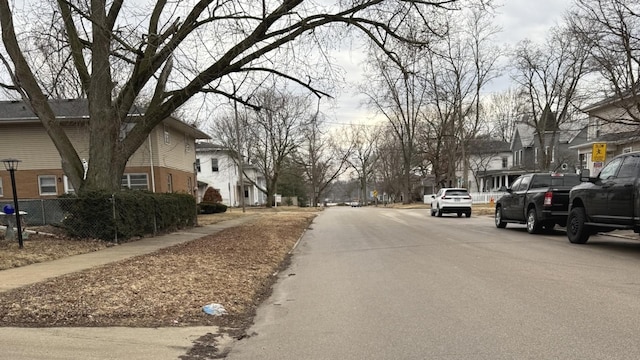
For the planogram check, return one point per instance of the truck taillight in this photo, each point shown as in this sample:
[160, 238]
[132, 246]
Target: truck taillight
[548, 196]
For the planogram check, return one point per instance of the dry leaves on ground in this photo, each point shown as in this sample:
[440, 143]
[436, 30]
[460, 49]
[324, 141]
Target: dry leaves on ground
[169, 287]
[39, 247]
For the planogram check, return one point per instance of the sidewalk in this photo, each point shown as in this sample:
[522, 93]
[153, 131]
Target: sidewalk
[34, 273]
[108, 342]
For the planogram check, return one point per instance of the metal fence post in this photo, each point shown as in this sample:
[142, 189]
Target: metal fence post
[115, 219]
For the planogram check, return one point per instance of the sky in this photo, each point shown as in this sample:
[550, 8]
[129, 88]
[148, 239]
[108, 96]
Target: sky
[519, 20]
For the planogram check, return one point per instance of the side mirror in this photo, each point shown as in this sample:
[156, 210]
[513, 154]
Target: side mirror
[585, 175]
[503, 188]
[433, 196]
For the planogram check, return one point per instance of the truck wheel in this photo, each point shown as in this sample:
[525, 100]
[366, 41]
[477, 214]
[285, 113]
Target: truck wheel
[577, 231]
[459, 214]
[533, 225]
[438, 212]
[498, 218]
[433, 212]
[468, 214]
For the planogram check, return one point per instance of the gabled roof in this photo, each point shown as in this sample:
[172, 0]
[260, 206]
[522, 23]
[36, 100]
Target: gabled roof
[17, 111]
[526, 133]
[566, 134]
[488, 146]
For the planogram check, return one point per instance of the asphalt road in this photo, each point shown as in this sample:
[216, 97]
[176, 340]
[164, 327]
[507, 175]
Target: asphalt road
[376, 283]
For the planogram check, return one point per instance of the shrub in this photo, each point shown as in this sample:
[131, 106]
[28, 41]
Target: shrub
[127, 213]
[212, 208]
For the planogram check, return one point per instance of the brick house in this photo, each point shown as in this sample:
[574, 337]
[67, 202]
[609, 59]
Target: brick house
[164, 163]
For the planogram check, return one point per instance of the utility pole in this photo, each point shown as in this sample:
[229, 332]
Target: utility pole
[239, 148]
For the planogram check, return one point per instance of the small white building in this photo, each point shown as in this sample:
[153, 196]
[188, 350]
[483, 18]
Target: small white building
[217, 169]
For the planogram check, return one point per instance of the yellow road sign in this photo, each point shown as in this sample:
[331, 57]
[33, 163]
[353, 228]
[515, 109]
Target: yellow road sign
[375, 193]
[599, 152]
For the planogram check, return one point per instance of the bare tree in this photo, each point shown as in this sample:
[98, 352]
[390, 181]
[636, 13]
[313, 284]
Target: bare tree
[269, 137]
[208, 41]
[362, 143]
[500, 112]
[458, 67]
[610, 31]
[388, 173]
[398, 92]
[549, 77]
[323, 161]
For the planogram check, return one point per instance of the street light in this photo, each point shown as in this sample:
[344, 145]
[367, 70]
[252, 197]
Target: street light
[12, 165]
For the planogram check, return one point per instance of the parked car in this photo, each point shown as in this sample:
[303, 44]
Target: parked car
[608, 201]
[539, 200]
[451, 200]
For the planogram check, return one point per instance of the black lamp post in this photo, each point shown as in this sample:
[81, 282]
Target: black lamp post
[12, 165]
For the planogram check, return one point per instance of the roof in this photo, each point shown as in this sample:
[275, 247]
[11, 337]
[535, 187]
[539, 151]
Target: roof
[526, 133]
[566, 134]
[203, 146]
[17, 111]
[488, 146]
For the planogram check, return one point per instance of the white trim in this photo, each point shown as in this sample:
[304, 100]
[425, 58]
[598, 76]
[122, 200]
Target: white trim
[126, 181]
[55, 184]
[68, 188]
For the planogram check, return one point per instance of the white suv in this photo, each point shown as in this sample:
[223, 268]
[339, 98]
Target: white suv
[451, 200]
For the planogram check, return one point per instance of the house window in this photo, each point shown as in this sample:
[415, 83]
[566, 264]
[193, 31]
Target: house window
[187, 145]
[167, 136]
[505, 162]
[627, 150]
[47, 185]
[135, 181]
[520, 157]
[214, 165]
[198, 169]
[170, 183]
[189, 185]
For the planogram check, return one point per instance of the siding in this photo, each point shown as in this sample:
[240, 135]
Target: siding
[32, 145]
[178, 154]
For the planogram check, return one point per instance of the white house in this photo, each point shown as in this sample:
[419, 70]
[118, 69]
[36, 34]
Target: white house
[217, 169]
[488, 165]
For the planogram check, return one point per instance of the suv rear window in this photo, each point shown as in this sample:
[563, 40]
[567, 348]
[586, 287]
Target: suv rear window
[457, 193]
[545, 181]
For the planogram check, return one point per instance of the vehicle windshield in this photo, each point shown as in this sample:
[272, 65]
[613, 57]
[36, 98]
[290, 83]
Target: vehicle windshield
[550, 180]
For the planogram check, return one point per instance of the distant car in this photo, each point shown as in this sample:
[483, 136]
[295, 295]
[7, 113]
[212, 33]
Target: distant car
[451, 200]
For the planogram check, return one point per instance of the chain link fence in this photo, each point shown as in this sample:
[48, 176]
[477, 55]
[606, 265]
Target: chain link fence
[49, 215]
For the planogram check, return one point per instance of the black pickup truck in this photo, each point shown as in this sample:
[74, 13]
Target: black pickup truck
[608, 201]
[540, 200]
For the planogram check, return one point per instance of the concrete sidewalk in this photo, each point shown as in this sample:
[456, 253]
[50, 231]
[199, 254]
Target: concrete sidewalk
[34, 273]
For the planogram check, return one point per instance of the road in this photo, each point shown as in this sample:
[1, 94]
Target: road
[377, 283]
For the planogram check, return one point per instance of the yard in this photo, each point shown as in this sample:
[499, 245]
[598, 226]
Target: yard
[234, 268]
